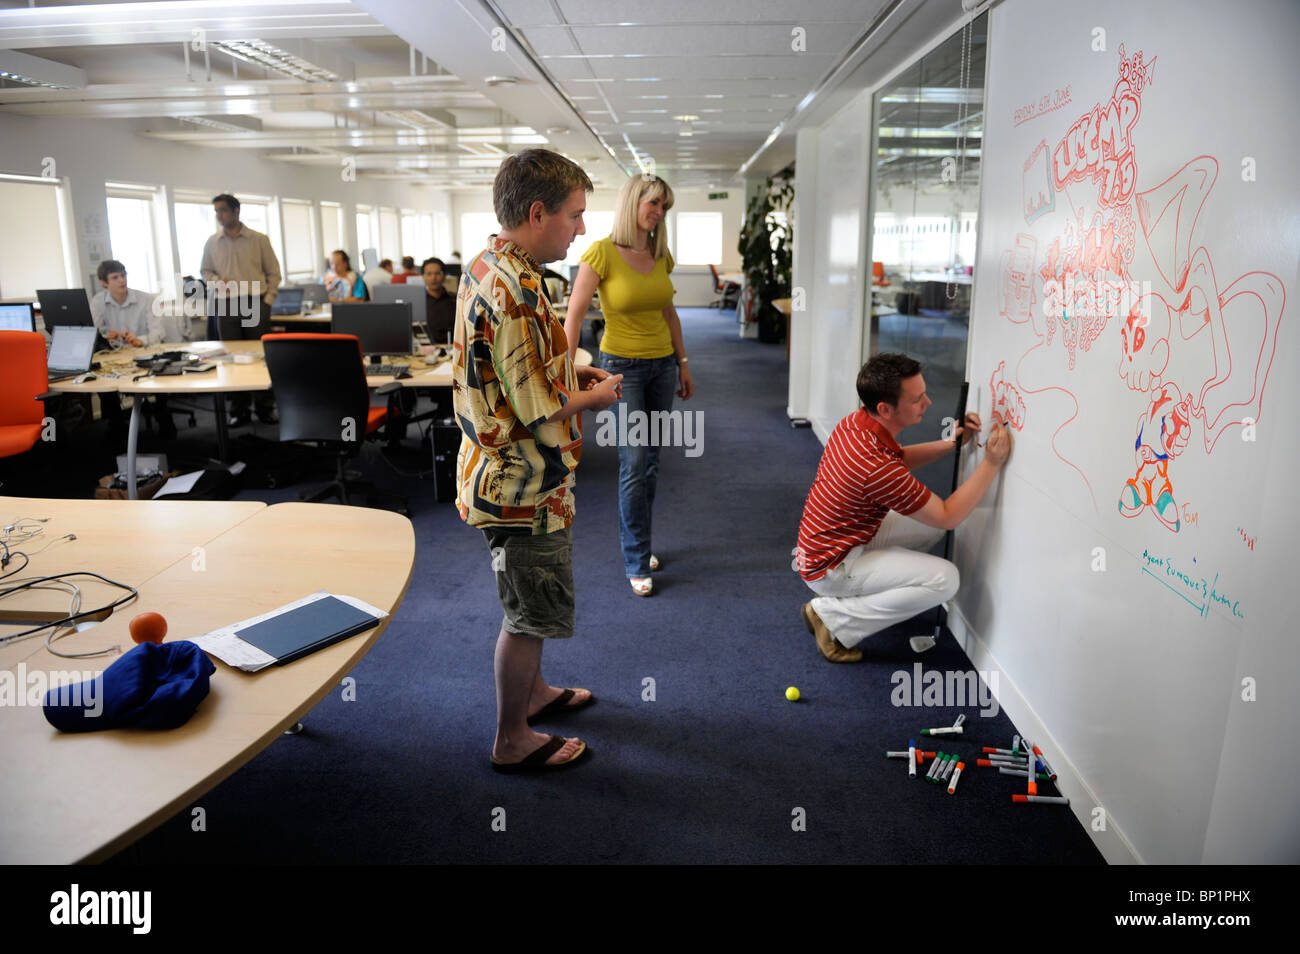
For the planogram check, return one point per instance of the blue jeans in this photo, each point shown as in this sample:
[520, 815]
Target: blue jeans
[648, 386]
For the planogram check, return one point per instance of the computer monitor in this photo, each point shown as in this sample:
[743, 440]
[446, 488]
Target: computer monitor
[382, 328]
[288, 301]
[387, 294]
[17, 317]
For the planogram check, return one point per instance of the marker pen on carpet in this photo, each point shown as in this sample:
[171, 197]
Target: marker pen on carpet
[1015, 745]
[948, 769]
[943, 730]
[911, 758]
[960, 719]
[1021, 772]
[952, 786]
[1040, 799]
[934, 766]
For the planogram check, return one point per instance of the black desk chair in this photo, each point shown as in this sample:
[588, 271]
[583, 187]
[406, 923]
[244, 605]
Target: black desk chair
[320, 385]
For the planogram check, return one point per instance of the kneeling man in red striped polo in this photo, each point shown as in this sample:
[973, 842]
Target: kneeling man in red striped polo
[868, 522]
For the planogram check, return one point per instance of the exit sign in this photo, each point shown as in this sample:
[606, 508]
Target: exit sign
[717, 195]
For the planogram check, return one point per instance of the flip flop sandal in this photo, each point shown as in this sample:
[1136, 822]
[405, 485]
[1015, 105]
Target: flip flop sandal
[535, 761]
[654, 563]
[561, 704]
[643, 586]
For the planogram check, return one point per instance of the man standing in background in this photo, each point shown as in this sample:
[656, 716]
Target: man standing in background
[243, 274]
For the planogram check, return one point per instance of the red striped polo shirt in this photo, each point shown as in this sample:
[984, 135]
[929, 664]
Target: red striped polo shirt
[861, 478]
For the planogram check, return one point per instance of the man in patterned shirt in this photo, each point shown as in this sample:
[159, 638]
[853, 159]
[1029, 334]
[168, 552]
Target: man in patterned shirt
[519, 403]
[866, 516]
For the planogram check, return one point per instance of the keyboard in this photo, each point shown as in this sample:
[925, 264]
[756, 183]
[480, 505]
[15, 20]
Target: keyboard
[377, 370]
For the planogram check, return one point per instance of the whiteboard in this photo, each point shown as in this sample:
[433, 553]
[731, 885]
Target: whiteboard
[1134, 323]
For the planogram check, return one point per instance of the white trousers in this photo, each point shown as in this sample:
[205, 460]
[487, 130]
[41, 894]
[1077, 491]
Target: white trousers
[884, 582]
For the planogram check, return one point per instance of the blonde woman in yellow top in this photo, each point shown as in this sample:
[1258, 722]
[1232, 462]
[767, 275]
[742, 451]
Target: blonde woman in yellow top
[642, 341]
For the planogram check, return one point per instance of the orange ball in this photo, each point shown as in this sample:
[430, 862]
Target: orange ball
[148, 628]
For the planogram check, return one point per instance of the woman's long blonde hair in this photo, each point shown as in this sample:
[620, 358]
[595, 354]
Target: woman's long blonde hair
[635, 191]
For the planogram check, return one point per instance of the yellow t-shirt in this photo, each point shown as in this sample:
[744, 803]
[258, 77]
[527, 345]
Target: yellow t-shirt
[633, 303]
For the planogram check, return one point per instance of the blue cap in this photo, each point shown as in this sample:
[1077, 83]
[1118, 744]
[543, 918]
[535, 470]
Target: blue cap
[154, 686]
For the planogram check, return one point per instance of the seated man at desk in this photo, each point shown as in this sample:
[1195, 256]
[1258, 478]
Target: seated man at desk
[867, 521]
[439, 305]
[381, 274]
[408, 271]
[122, 315]
[125, 317]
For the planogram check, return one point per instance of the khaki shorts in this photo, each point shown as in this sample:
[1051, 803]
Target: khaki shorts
[534, 582]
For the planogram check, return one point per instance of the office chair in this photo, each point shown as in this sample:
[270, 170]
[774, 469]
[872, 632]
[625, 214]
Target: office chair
[878, 277]
[728, 292]
[320, 385]
[23, 380]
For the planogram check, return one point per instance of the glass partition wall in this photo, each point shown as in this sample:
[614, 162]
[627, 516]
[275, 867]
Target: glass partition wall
[929, 122]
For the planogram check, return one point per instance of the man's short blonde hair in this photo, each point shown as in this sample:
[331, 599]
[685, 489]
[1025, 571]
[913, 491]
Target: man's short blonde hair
[534, 175]
[635, 191]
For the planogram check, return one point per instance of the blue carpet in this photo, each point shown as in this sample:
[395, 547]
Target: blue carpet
[717, 768]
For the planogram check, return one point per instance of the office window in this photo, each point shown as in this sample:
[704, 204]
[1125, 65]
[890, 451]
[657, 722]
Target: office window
[598, 226]
[389, 235]
[130, 235]
[475, 227]
[195, 224]
[442, 240]
[417, 236]
[137, 234]
[699, 238]
[331, 227]
[35, 250]
[300, 252]
[367, 234]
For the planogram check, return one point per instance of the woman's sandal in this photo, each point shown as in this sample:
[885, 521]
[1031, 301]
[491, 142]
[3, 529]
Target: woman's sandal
[654, 563]
[641, 586]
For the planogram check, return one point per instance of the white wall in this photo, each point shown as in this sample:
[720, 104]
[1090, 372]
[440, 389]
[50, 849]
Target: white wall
[90, 152]
[694, 283]
[830, 252]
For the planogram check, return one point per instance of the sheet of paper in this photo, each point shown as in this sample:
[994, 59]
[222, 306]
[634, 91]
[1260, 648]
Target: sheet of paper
[179, 485]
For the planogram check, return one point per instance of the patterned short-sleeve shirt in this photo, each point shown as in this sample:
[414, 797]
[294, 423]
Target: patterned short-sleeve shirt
[511, 371]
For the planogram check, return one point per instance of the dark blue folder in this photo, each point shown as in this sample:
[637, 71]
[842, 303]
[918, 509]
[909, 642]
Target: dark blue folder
[308, 628]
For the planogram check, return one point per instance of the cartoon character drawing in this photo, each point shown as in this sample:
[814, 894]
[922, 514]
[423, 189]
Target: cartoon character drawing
[1162, 433]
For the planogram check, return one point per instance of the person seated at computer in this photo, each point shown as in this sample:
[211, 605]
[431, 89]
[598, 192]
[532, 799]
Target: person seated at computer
[122, 315]
[408, 270]
[342, 282]
[439, 304]
[125, 317]
[381, 274]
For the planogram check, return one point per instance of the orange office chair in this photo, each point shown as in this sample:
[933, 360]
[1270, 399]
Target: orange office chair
[878, 274]
[728, 292]
[320, 386]
[23, 380]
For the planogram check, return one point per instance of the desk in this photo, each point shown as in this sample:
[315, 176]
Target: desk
[81, 798]
[225, 378]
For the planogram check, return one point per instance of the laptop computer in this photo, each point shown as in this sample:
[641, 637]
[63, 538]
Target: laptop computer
[67, 306]
[315, 294]
[71, 351]
[287, 302]
[17, 317]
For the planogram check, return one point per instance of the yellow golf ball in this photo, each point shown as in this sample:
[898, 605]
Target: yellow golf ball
[792, 694]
